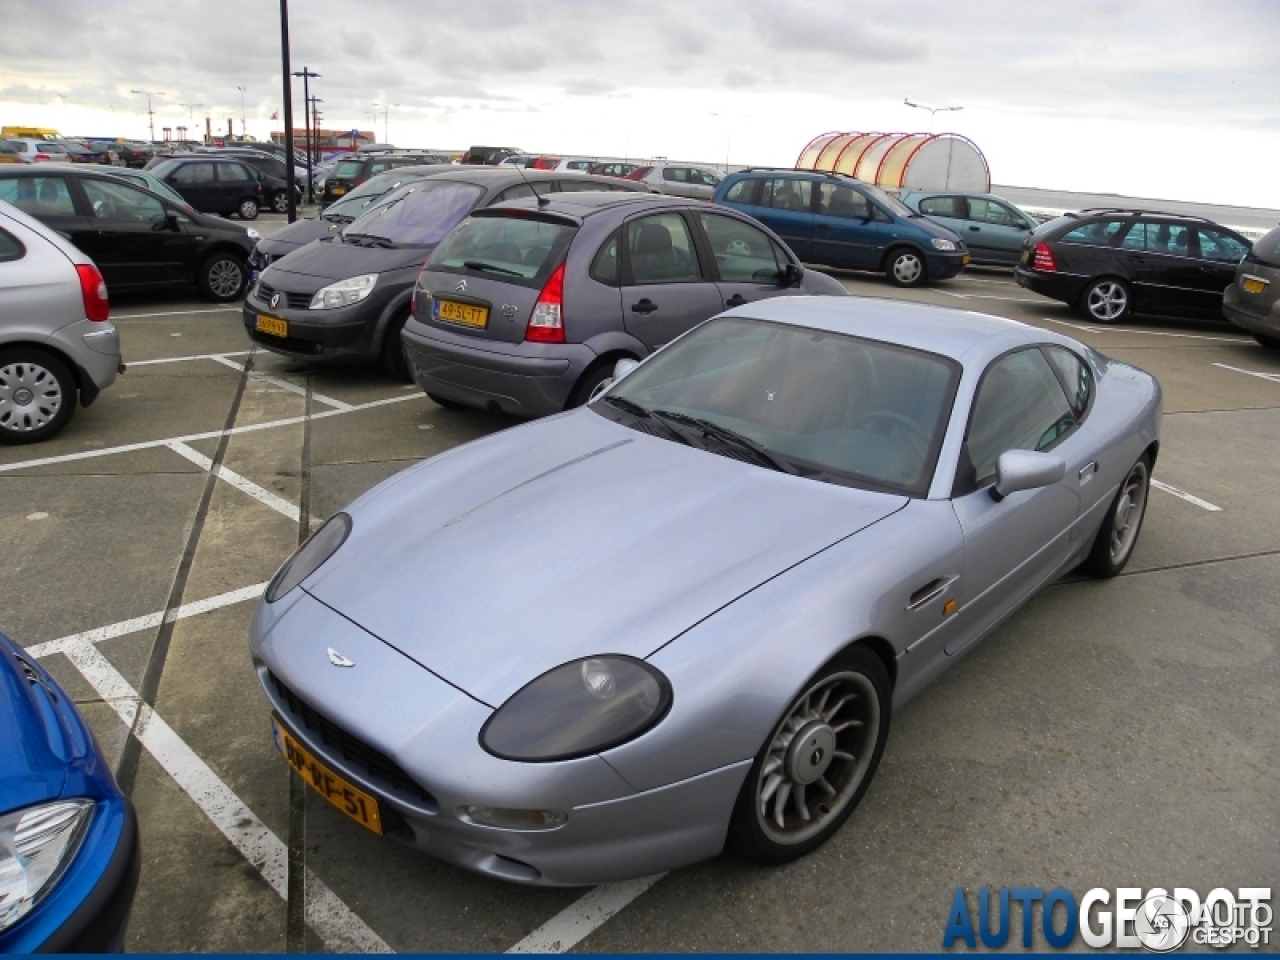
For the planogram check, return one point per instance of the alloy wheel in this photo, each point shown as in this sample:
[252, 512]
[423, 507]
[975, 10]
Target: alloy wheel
[818, 758]
[225, 277]
[1108, 301]
[280, 202]
[1129, 509]
[30, 397]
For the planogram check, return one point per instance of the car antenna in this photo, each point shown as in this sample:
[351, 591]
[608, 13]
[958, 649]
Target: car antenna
[543, 200]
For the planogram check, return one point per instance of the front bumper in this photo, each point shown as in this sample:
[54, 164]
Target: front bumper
[944, 266]
[345, 333]
[1066, 287]
[430, 730]
[1252, 316]
[524, 379]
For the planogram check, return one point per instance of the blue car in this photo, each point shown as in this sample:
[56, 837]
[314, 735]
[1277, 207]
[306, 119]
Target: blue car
[831, 219]
[68, 837]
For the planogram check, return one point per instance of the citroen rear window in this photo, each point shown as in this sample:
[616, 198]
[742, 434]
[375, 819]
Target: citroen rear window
[516, 249]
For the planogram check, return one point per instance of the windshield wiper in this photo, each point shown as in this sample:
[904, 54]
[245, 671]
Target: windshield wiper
[641, 413]
[725, 435]
[367, 237]
[490, 268]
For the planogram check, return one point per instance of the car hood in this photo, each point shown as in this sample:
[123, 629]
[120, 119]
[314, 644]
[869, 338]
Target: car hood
[568, 537]
[296, 235]
[30, 769]
[335, 260]
[935, 229]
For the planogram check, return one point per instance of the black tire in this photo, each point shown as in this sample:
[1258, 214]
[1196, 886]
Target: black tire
[1107, 300]
[222, 277]
[1271, 343]
[594, 376]
[247, 209]
[394, 363]
[906, 267]
[280, 202]
[445, 402]
[37, 395]
[754, 832]
[1113, 546]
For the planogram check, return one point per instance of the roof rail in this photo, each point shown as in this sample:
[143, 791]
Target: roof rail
[825, 173]
[1149, 213]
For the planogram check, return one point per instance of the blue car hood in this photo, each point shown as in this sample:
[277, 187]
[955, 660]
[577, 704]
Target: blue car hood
[33, 765]
[569, 537]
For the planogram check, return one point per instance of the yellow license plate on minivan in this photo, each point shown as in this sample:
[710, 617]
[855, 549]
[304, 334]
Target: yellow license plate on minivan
[347, 797]
[466, 314]
[1254, 285]
[966, 260]
[272, 325]
[337, 191]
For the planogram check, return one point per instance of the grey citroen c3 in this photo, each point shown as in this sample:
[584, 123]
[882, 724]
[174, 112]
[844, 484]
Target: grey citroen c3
[526, 307]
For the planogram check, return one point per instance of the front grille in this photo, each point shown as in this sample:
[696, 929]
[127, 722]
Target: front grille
[295, 301]
[380, 768]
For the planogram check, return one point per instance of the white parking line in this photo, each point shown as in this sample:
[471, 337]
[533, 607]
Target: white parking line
[261, 494]
[1189, 497]
[984, 296]
[198, 356]
[582, 917]
[1260, 374]
[283, 384]
[175, 313]
[208, 435]
[1150, 333]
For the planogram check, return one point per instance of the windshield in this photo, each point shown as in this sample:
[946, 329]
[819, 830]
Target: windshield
[359, 200]
[835, 408]
[889, 201]
[420, 213]
[516, 248]
[347, 169]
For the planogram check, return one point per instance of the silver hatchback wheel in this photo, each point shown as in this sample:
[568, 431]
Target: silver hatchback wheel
[818, 758]
[1107, 301]
[1129, 509]
[30, 397]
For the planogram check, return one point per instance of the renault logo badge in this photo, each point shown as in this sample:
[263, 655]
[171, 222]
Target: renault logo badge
[338, 660]
[275, 300]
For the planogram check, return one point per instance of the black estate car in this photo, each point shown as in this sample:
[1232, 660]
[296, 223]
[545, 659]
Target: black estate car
[215, 184]
[347, 296]
[349, 172]
[1111, 262]
[137, 238]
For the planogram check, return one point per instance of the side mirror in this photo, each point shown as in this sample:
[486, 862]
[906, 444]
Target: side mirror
[1025, 470]
[792, 274]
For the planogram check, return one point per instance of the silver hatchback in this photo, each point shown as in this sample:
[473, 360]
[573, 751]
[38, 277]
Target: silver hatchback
[57, 341]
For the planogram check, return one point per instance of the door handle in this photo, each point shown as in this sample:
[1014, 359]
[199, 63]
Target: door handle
[645, 306]
[976, 229]
[736, 300]
[1087, 471]
[930, 591]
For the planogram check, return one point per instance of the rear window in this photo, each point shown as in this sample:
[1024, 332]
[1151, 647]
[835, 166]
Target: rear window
[1267, 250]
[347, 169]
[519, 249]
[420, 213]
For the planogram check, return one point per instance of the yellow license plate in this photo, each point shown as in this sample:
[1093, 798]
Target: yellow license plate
[337, 191]
[272, 325]
[1254, 286]
[463, 313]
[350, 799]
[965, 261]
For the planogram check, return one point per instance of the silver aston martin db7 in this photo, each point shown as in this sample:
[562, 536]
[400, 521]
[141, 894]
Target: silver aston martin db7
[608, 643]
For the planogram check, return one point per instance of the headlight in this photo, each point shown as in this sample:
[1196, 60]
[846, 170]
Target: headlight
[309, 557]
[344, 292]
[253, 234]
[578, 709]
[940, 244]
[36, 844]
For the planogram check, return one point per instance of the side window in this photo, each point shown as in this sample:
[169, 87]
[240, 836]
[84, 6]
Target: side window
[112, 201]
[838, 201]
[744, 191]
[1020, 406]
[1219, 246]
[743, 253]
[194, 173]
[943, 207]
[786, 194]
[1136, 238]
[661, 250]
[676, 174]
[10, 247]
[234, 173]
[39, 196]
[989, 211]
[1075, 376]
[1098, 233]
[604, 267]
[1171, 238]
[518, 191]
[708, 178]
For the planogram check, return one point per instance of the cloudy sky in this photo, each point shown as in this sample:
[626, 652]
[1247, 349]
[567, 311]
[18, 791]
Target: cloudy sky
[1154, 98]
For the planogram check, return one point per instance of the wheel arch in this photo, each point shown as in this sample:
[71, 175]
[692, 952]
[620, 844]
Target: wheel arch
[897, 245]
[884, 652]
[86, 390]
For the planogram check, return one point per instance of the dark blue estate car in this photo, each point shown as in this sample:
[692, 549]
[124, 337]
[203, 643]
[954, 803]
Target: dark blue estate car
[68, 836]
[831, 219]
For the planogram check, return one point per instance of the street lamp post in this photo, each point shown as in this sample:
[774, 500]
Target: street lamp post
[314, 111]
[243, 130]
[932, 110]
[306, 76]
[288, 110]
[151, 114]
[386, 120]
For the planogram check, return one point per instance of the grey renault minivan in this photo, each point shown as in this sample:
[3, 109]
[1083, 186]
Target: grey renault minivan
[526, 307]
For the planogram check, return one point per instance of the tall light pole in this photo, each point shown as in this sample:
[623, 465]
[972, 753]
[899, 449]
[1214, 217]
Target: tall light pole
[306, 76]
[386, 120]
[151, 114]
[288, 109]
[932, 110]
[243, 130]
[314, 112]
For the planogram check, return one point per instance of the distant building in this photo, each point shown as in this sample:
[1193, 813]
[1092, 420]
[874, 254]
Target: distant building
[328, 139]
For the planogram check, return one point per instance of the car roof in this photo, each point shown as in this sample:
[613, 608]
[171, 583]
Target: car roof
[585, 203]
[948, 331]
